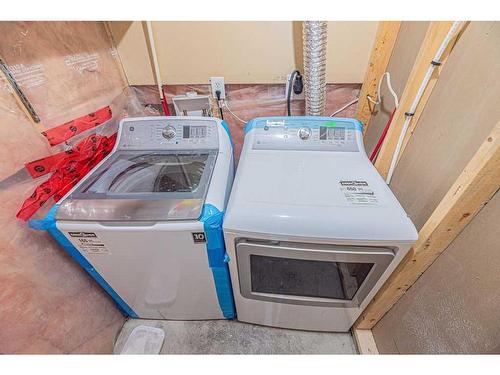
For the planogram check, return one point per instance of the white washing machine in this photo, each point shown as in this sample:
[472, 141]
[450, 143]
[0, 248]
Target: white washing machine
[311, 228]
[146, 223]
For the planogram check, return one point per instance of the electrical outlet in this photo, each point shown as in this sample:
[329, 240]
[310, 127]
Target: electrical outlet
[217, 84]
[293, 96]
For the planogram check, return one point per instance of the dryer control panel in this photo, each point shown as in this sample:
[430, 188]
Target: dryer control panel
[305, 133]
[168, 134]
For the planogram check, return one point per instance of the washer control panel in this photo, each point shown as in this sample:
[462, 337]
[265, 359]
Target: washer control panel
[305, 134]
[165, 133]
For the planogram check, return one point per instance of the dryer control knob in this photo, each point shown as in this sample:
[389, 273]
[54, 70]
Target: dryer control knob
[168, 132]
[304, 133]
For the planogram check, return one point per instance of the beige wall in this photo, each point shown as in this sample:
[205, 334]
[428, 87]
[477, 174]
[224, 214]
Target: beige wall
[242, 52]
[453, 307]
[461, 112]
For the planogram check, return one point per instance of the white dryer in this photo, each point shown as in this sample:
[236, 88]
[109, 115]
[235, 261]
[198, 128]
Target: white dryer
[146, 222]
[311, 228]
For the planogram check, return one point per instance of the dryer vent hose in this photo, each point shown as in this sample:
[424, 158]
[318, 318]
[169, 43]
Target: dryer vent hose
[314, 35]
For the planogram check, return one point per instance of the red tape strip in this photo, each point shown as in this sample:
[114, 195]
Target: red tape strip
[41, 167]
[68, 171]
[62, 133]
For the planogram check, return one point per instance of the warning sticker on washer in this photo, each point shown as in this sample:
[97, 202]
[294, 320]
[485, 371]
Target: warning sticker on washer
[358, 192]
[88, 242]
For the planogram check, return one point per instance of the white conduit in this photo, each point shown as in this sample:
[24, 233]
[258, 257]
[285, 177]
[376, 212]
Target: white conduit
[344, 107]
[156, 66]
[389, 86]
[435, 62]
[314, 36]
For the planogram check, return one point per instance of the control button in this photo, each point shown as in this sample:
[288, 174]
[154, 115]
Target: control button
[304, 133]
[168, 132]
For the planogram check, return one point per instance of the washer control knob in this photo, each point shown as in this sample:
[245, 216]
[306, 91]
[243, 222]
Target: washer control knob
[304, 133]
[168, 132]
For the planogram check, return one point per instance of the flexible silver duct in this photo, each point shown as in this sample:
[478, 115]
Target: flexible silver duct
[314, 36]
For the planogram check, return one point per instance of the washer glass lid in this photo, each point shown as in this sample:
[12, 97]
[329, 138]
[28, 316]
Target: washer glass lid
[143, 186]
[131, 174]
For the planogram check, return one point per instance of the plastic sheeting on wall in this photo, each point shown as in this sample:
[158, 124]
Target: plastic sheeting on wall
[87, 140]
[66, 70]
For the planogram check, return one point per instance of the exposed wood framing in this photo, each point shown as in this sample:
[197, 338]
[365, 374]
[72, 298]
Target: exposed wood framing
[475, 186]
[19, 101]
[365, 341]
[385, 39]
[436, 32]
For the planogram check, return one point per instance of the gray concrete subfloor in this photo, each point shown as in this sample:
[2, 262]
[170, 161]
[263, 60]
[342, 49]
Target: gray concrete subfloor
[233, 337]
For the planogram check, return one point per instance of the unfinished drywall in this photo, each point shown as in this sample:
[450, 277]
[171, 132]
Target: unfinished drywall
[454, 307]
[409, 39]
[47, 303]
[461, 111]
[242, 52]
[130, 38]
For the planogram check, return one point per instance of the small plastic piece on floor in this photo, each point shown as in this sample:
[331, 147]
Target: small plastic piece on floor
[144, 340]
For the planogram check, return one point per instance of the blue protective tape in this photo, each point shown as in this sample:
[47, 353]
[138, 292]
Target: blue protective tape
[212, 218]
[298, 121]
[226, 128]
[49, 224]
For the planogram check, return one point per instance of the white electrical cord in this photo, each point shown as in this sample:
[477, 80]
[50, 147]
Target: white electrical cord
[224, 104]
[435, 62]
[344, 107]
[391, 90]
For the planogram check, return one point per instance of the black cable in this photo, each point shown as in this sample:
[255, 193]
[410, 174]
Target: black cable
[289, 92]
[294, 81]
[217, 93]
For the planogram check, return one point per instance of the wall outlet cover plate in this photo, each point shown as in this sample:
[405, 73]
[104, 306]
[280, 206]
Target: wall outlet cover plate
[217, 83]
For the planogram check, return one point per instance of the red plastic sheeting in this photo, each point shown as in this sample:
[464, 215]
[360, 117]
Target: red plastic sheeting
[62, 133]
[68, 170]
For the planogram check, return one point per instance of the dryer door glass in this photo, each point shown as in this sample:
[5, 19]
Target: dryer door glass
[309, 274]
[310, 278]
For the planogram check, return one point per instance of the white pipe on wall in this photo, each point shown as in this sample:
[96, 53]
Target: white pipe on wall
[156, 66]
[453, 29]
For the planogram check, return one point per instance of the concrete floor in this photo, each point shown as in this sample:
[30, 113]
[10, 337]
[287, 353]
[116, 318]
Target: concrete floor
[232, 337]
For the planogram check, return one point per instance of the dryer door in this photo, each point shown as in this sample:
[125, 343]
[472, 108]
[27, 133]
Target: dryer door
[309, 274]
